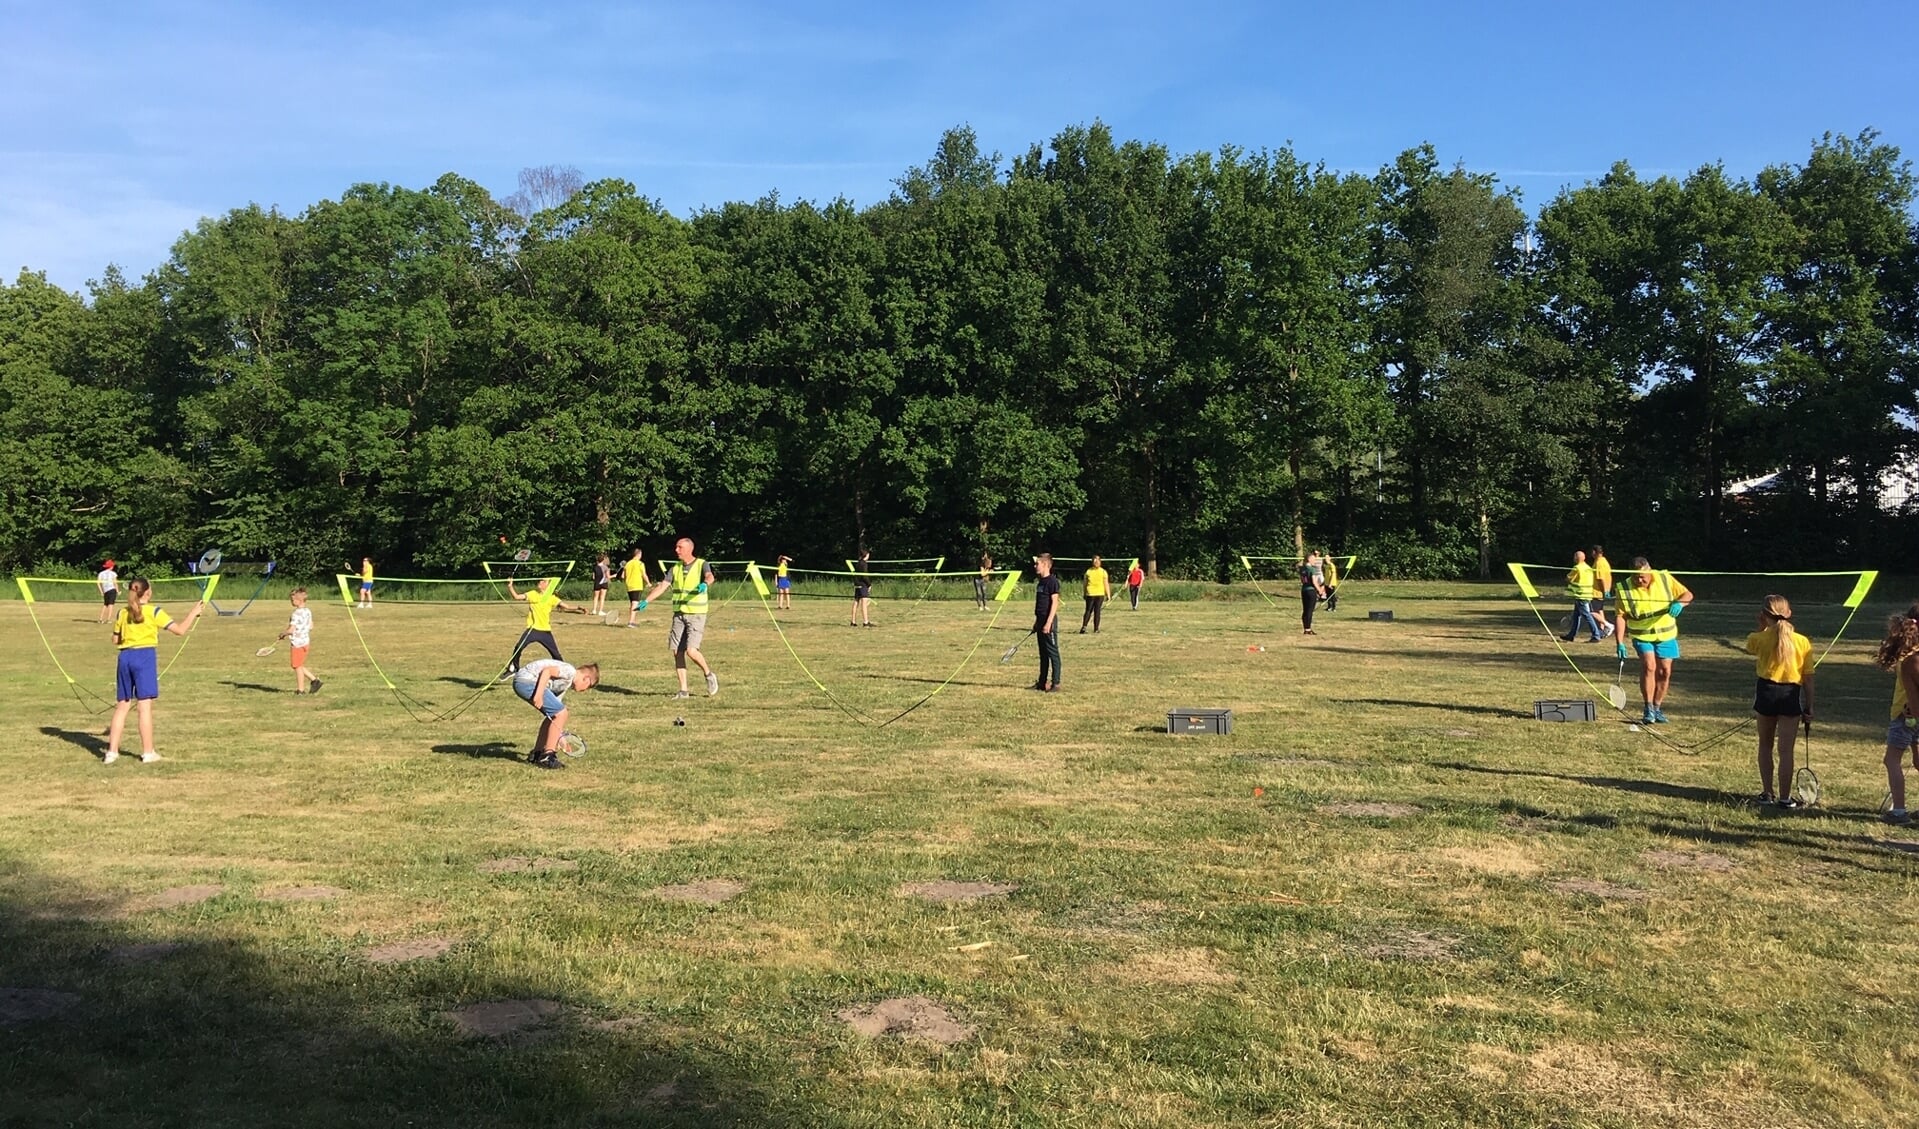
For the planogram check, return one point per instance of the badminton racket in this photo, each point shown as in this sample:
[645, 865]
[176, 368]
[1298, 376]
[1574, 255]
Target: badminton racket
[1007, 656]
[263, 652]
[1805, 782]
[572, 744]
[1616, 693]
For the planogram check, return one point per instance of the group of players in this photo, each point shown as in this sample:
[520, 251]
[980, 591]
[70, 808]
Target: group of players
[1646, 608]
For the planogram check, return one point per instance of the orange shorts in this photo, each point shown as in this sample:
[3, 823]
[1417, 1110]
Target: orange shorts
[296, 657]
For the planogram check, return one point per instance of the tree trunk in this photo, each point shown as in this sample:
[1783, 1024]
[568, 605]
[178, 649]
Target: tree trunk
[1152, 514]
[1485, 540]
[1299, 503]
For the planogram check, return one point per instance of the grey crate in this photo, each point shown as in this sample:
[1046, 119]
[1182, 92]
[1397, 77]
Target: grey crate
[1565, 709]
[1216, 722]
[1380, 616]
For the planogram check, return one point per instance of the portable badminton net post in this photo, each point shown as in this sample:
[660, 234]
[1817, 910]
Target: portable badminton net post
[900, 564]
[244, 568]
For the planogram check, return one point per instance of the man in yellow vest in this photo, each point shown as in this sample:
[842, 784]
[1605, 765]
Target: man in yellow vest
[689, 580]
[1649, 603]
[1602, 583]
[1580, 586]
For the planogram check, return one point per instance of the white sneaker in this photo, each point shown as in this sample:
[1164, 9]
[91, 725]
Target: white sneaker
[712, 684]
[149, 758]
[110, 757]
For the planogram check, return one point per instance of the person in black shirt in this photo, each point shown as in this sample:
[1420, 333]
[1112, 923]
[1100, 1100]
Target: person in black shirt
[1312, 589]
[1046, 622]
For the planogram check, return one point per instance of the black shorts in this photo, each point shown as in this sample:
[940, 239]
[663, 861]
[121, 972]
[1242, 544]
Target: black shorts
[862, 591]
[1777, 699]
[599, 587]
[107, 598]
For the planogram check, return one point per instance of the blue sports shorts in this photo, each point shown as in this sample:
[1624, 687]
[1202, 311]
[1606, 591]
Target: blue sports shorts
[550, 704]
[1902, 734]
[139, 675]
[782, 582]
[1664, 649]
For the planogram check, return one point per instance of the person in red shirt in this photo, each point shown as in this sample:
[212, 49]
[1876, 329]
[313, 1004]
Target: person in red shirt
[1134, 579]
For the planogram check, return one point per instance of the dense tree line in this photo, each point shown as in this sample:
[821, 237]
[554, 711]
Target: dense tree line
[1096, 346]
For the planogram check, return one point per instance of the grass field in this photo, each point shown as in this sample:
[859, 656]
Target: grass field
[1390, 898]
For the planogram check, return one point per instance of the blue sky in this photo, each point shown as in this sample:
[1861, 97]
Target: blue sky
[121, 125]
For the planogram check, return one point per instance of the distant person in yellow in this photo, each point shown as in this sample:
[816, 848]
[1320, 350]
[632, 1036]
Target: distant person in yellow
[1602, 583]
[1581, 586]
[783, 584]
[1649, 603]
[136, 633]
[1331, 567]
[1095, 586]
[633, 575]
[539, 620]
[689, 580]
[366, 581]
[1784, 694]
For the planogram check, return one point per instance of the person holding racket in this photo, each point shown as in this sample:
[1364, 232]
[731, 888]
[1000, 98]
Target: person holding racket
[299, 636]
[783, 584]
[1312, 589]
[109, 582]
[633, 575]
[1046, 623]
[1899, 653]
[1135, 579]
[543, 684]
[136, 634]
[1649, 603]
[689, 580]
[539, 619]
[366, 582]
[1785, 693]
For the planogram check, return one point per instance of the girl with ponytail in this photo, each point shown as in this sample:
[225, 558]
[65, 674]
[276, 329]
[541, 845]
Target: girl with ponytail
[1785, 691]
[1900, 655]
[136, 632]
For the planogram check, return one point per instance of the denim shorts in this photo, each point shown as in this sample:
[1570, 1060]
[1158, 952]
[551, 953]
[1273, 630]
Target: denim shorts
[550, 704]
[1902, 734]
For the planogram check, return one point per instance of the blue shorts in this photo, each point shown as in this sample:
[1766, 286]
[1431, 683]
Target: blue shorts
[782, 582]
[1664, 649]
[1902, 734]
[550, 704]
[366, 586]
[139, 675]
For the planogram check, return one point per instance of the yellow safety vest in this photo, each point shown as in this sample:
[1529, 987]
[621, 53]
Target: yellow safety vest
[1332, 573]
[1579, 582]
[1648, 610]
[687, 597]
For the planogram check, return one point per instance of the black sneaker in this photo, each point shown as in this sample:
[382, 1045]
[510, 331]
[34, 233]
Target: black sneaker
[1787, 803]
[313, 686]
[548, 760]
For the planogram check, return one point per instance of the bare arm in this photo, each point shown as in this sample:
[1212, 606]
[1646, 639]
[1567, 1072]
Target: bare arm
[182, 626]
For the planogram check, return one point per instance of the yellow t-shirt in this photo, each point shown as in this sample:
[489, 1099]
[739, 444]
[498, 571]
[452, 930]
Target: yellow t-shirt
[1898, 694]
[539, 610]
[1760, 643]
[780, 571]
[366, 572]
[146, 633]
[1602, 573]
[1095, 582]
[1332, 572]
[634, 572]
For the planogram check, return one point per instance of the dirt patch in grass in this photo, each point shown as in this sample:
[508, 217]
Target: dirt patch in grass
[1505, 860]
[145, 952]
[1182, 967]
[491, 1019]
[1415, 945]
[520, 864]
[944, 891]
[1369, 810]
[1601, 889]
[907, 1017]
[419, 948]
[173, 898]
[708, 891]
[1690, 860]
[25, 1005]
[1288, 761]
[301, 893]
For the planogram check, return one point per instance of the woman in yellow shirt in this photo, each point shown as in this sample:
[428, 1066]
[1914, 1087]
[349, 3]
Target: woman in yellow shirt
[1785, 691]
[136, 632]
[1096, 587]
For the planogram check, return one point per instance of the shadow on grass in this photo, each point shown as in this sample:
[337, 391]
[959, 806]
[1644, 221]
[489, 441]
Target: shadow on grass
[1659, 788]
[1451, 707]
[502, 750]
[255, 686]
[91, 742]
[99, 1031]
[469, 683]
[619, 691]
